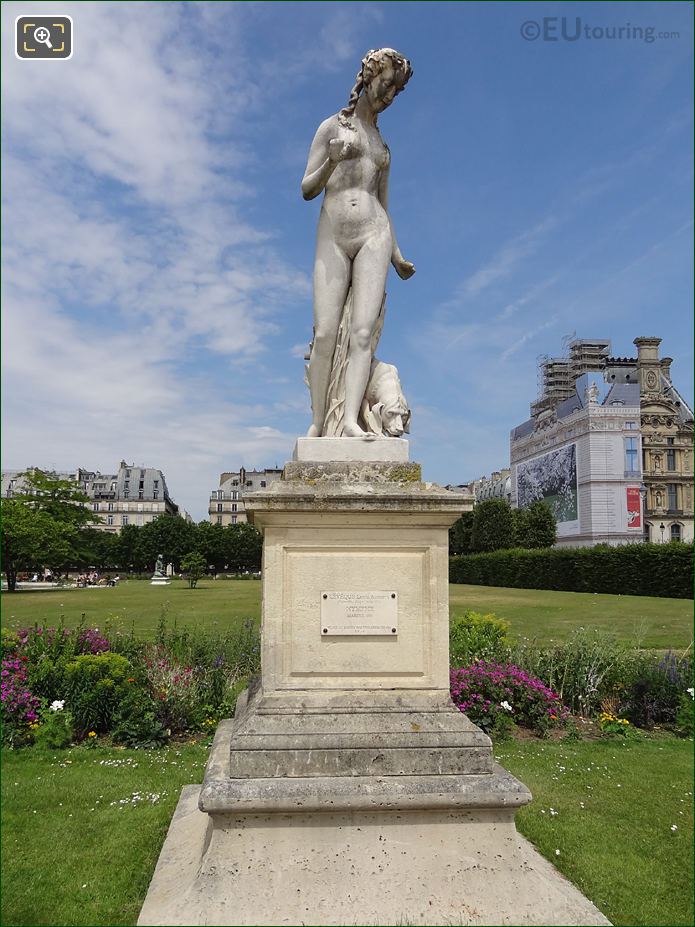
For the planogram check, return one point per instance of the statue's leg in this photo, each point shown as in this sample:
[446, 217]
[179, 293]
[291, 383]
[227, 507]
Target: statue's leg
[369, 271]
[331, 281]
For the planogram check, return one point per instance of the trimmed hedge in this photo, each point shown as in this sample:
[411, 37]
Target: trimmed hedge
[631, 569]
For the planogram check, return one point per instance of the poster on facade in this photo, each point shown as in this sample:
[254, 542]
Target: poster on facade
[634, 508]
[551, 478]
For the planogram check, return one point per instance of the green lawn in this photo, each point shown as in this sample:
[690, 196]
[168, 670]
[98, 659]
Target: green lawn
[616, 801]
[545, 615]
[77, 849]
[536, 614]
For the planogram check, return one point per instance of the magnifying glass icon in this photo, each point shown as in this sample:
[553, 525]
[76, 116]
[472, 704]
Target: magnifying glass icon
[43, 36]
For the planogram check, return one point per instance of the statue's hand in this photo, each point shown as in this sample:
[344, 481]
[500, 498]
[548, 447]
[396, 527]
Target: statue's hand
[404, 269]
[339, 150]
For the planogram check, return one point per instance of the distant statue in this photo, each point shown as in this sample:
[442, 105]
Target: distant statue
[591, 394]
[355, 244]
[159, 565]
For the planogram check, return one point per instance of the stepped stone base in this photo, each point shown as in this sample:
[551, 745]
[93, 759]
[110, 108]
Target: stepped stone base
[356, 867]
[349, 789]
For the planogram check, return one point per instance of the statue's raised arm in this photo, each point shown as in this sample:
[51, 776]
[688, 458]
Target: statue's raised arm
[353, 394]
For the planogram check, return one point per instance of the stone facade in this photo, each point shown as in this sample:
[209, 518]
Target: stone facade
[226, 506]
[666, 423]
[131, 496]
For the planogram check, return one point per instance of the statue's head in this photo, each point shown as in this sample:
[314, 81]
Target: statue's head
[383, 74]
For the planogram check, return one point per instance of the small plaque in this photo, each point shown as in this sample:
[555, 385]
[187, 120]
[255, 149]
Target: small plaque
[351, 613]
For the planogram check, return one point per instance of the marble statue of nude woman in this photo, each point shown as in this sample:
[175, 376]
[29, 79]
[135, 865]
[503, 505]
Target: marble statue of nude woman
[356, 241]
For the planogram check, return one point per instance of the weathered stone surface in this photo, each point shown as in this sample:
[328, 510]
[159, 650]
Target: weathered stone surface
[352, 471]
[437, 866]
[351, 449]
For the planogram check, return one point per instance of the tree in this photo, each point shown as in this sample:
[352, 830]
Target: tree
[243, 548]
[32, 540]
[129, 555]
[99, 549]
[541, 530]
[460, 534]
[61, 499]
[169, 535]
[211, 543]
[493, 526]
[195, 565]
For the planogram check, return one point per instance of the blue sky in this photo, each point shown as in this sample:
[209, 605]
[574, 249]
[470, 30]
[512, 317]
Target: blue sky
[158, 253]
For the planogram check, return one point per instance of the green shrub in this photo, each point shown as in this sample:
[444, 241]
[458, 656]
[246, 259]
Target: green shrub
[96, 684]
[10, 641]
[684, 715]
[656, 689]
[473, 636]
[55, 731]
[583, 670]
[630, 569]
[136, 723]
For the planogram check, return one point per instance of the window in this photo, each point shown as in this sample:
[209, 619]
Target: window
[235, 494]
[156, 483]
[126, 493]
[95, 506]
[219, 506]
[125, 506]
[234, 506]
[675, 532]
[235, 482]
[670, 459]
[631, 455]
[219, 519]
[672, 496]
[631, 425]
[249, 482]
[155, 493]
[670, 441]
[127, 484]
[127, 474]
[113, 487]
[124, 519]
[109, 519]
[234, 519]
[141, 484]
[142, 474]
[110, 506]
[141, 494]
[262, 484]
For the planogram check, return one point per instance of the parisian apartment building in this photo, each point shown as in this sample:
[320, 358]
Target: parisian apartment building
[134, 495]
[608, 447]
[226, 505]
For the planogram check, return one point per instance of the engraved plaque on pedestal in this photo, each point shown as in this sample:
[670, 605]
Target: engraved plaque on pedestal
[350, 613]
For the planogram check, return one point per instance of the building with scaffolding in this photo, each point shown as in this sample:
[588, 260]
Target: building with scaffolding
[608, 446]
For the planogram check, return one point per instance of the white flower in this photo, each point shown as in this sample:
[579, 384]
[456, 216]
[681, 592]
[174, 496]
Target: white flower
[58, 705]
[557, 852]
[506, 706]
[691, 692]
[674, 827]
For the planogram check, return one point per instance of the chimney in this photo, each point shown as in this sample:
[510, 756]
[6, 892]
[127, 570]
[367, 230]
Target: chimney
[647, 349]
[666, 367]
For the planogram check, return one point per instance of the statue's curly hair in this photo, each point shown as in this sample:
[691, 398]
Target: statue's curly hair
[372, 63]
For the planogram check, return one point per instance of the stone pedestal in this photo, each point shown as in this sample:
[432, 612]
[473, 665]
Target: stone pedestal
[160, 580]
[349, 789]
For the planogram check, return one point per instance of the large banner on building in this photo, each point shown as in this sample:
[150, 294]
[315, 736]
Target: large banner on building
[634, 507]
[552, 479]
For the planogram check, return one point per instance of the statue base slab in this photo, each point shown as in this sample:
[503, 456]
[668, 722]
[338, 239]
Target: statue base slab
[340, 449]
[324, 850]
[160, 581]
